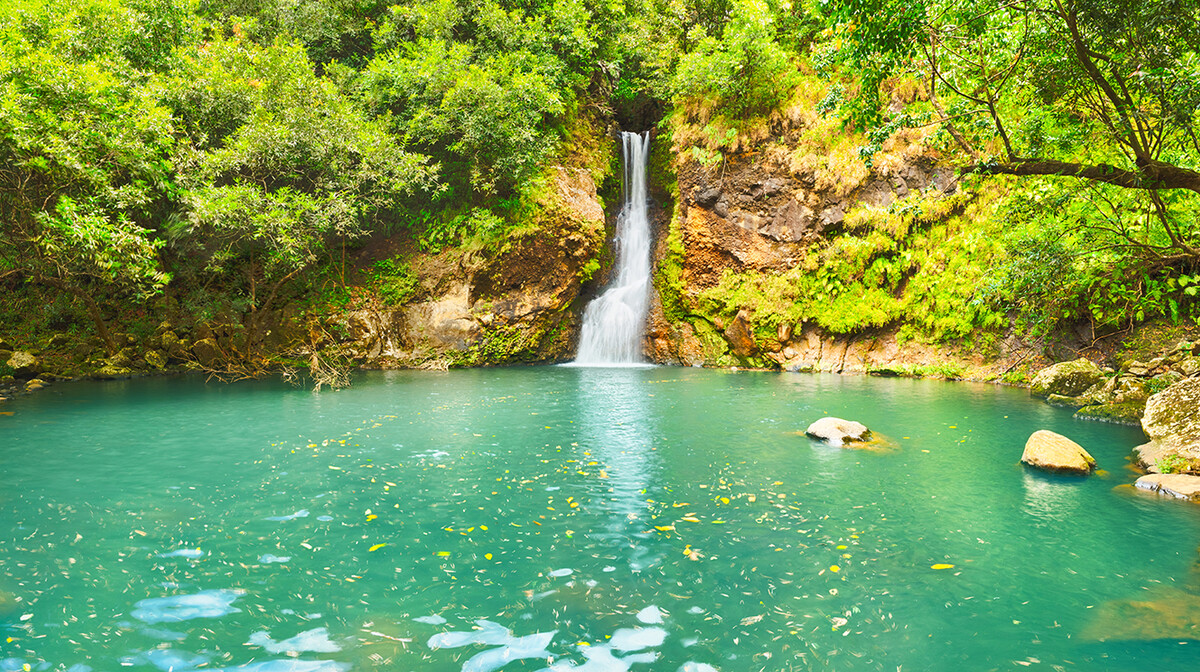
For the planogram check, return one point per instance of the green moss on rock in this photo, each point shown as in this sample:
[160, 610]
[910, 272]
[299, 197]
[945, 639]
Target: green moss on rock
[1128, 413]
[1067, 379]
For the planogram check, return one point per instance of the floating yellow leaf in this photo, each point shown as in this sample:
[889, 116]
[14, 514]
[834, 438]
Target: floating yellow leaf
[376, 547]
[834, 568]
[574, 505]
[487, 556]
[724, 500]
[371, 517]
[483, 527]
[941, 566]
[443, 554]
[676, 505]
[664, 528]
[690, 519]
[841, 547]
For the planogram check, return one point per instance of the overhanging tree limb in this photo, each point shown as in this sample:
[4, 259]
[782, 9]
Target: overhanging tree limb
[1155, 175]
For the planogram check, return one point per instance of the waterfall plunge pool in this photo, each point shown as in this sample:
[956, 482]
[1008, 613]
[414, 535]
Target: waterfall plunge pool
[574, 519]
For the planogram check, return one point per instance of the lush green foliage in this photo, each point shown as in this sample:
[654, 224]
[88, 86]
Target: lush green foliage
[916, 264]
[302, 167]
[237, 145]
[1105, 91]
[395, 281]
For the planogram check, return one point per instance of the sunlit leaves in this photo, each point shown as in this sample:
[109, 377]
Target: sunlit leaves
[300, 164]
[746, 68]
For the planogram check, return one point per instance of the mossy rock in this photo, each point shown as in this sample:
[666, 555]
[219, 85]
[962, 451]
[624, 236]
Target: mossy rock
[112, 372]
[1172, 413]
[1064, 401]
[1067, 379]
[24, 364]
[155, 358]
[1128, 413]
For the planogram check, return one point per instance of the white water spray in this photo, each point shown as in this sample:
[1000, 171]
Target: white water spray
[614, 322]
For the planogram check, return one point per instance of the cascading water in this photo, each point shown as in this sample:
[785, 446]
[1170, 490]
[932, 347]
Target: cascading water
[614, 322]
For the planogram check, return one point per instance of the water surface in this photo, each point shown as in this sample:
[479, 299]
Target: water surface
[570, 519]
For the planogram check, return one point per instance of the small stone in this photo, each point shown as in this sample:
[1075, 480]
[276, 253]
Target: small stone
[155, 358]
[1180, 486]
[1055, 452]
[837, 431]
[1188, 367]
[110, 372]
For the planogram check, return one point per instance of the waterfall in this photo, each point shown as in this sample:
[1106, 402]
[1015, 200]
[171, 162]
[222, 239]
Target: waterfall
[614, 322]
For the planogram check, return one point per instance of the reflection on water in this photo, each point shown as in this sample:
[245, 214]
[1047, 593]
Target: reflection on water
[615, 420]
[1051, 498]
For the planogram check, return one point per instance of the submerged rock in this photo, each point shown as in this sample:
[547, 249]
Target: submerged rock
[1055, 452]
[1167, 613]
[1179, 486]
[1068, 379]
[837, 431]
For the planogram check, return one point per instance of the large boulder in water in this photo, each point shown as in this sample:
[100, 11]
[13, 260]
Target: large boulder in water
[837, 431]
[1068, 379]
[1055, 452]
[1172, 421]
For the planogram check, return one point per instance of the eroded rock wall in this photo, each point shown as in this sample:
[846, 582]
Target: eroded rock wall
[510, 306]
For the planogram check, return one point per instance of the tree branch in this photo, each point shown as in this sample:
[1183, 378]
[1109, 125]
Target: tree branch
[1155, 175]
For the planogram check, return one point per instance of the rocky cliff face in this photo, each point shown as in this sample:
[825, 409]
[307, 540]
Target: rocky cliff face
[766, 212]
[511, 306]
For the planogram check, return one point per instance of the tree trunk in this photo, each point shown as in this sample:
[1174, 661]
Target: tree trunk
[93, 309]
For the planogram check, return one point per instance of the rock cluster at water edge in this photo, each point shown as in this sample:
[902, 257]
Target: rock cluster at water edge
[1172, 423]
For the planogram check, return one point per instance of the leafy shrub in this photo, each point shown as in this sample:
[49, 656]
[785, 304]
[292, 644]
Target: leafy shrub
[395, 281]
[1175, 463]
[745, 68]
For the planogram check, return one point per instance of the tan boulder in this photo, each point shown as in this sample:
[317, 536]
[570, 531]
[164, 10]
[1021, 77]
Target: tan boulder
[1180, 486]
[1055, 452]
[1068, 379]
[837, 431]
[1172, 422]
